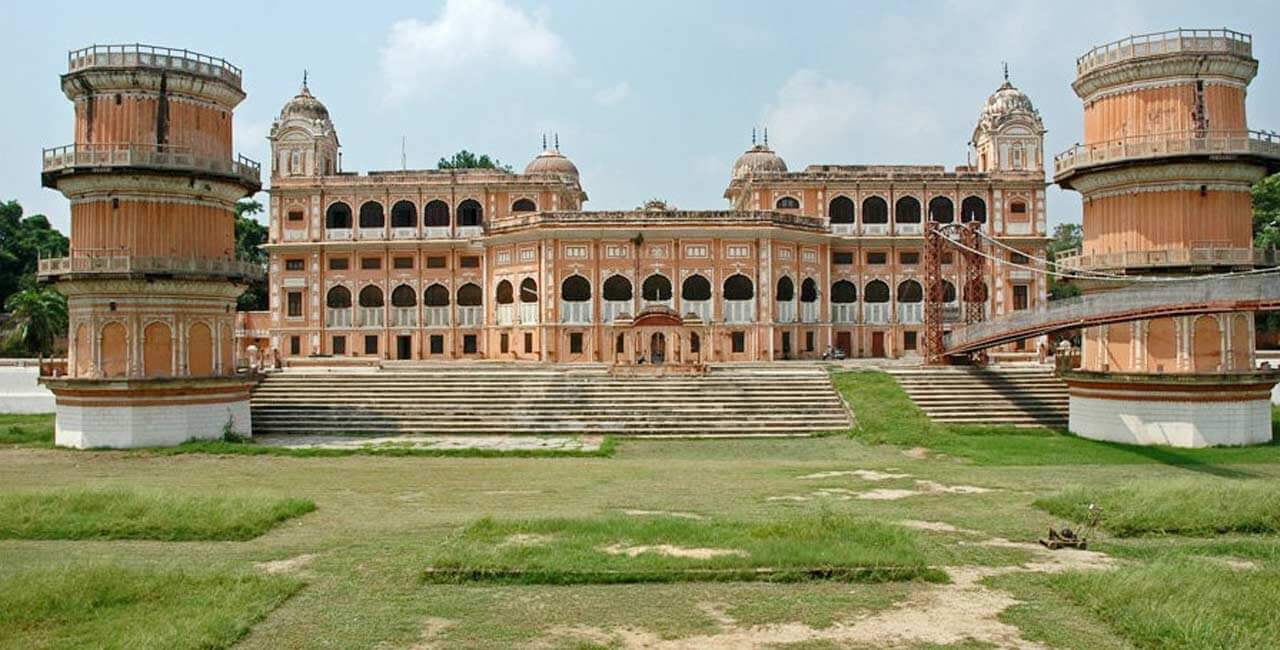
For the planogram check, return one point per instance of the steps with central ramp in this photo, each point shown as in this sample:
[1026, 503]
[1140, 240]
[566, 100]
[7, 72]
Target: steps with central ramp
[1019, 395]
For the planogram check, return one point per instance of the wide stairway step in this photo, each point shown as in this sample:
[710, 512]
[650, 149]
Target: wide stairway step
[1014, 395]
[509, 399]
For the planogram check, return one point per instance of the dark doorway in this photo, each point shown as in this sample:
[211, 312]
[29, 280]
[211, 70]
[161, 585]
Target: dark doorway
[657, 348]
[843, 343]
[877, 344]
[786, 345]
[404, 347]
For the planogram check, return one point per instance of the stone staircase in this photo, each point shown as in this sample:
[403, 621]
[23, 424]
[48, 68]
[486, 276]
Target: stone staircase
[1020, 395]
[513, 399]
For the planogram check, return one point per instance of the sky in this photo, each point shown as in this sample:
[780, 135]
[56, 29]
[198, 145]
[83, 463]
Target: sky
[650, 99]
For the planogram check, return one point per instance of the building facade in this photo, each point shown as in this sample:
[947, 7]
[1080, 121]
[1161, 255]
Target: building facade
[458, 264]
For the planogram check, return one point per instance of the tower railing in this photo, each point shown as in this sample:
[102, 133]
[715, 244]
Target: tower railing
[1173, 143]
[1195, 255]
[1169, 42]
[152, 56]
[153, 156]
[115, 261]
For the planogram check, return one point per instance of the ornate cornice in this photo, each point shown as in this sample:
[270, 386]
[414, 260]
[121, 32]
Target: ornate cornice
[1208, 172]
[1167, 66]
[83, 186]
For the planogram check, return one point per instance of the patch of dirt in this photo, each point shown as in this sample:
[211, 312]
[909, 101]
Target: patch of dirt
[510, 492]
[864, 474]
[672, 551]
[663, 513]
[888, 494]
[787, 497]
[287, 565]
[1237, 563]
[431, 628]
[935, 526]
[527, 539]
[922, 487]
[918, 453]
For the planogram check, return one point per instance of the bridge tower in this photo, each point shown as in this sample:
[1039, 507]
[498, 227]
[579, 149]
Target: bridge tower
[1165, 173]
[152, 279]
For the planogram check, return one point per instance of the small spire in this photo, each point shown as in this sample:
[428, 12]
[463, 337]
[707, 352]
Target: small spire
[766, 137]
[544, 141]
[1005, 65]
[557, 143]
[753, 136]
[304, 80]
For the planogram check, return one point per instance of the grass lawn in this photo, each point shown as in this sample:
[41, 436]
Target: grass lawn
[31, 430]
[131, 514]
[1177, 506]
[622, 549]
[97, 606]
[885, 415]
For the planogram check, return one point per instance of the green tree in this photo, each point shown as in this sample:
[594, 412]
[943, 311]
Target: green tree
[466, 160]
[37, 317]
[1066, 237]
[1266, 212]
[23, 241]
[250, 236]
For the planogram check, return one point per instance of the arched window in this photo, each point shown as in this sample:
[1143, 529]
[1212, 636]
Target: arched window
[338, 298]
[973, 209]
[948, 293]
[786, 289]
[470, 213]
[876, 291]
[469, 295]
[404, 214]
[906, 210]
[941, 210]
[436, 214]
[371, 215]
[910, 291]
[695, 287]
[505, 294]
[975, 292]
[524, 205]
[528, 290]
[338, 216]
[788, 203]
[575, 288]
[875, 210]
[371, 296]
[404, 296]
[617, 287]
[844, 292]
[436, 296]
[656, 288]
[840, 210]
[739, 287]
[808, 290]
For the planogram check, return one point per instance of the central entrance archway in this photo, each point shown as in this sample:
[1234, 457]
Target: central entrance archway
[657, 348]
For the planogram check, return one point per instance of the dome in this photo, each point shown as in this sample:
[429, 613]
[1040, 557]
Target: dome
[1004, 103]
[551, 161]
[758, 159]
[305, 105]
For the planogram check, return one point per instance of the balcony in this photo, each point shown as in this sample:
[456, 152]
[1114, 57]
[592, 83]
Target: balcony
[295, 234]
[1206, 41]
[435, 232]
[470, 316]
[739, 311]
[911, 313]
[506, 315]
[68, 158]
[875, 229]
[337, 234]
[842, 228]
[700, 307]
[337, 317]
[876, 313]
[575, 313]
[908, 229]
[669, 303]
[845, 313]
[94, 262]
[786, 312]
[404, 316]
[372, 233]
[369, 316]
[1171, 144]
[611, 309]
[404, 233]
[436, 316]
[151, 56]
[470, 232]
[1197, 255]
[528, 313]
[809, 312]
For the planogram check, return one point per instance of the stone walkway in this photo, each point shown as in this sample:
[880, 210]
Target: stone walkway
[416, 441]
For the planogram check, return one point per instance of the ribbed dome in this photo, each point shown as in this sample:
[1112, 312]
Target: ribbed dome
[305, 105]
[551, 161]
[1004, 102]
[758, 159]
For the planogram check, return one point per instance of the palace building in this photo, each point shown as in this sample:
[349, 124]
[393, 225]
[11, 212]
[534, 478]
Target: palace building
[490, 264]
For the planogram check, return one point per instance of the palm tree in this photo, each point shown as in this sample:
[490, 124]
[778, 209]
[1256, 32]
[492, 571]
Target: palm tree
[37, 317]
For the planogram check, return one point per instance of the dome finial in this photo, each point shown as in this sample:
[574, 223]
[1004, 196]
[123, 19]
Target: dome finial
[557, 142]
[1005, 64]
[766, 137]
[544, 141]
[753, 136]
[304, 81]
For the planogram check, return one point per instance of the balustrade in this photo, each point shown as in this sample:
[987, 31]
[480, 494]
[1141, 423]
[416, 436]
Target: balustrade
[575, 313]
[739, 311]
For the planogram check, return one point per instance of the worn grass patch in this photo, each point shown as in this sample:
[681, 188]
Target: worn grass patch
[247, 447]
[885, 415]
[618, 549]
[1175, 506]
[132, 514]
[26, 430]
[90, 606]
[1181, 603]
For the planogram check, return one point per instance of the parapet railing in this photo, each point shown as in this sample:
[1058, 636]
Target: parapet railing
[155, 156]
[117, 262]
[1193, 256]
[1174, 143]
[1174, 40]
[152, 56]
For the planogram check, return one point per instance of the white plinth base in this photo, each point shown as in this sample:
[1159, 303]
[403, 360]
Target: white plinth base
[121, 427]
[1173, 423]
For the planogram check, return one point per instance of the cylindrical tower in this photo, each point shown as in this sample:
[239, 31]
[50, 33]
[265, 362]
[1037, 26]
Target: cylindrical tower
[152, 278]
[1165, 172]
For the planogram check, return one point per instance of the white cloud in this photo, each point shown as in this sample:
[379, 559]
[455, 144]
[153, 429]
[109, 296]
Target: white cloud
[613, 94]
[467, 36]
